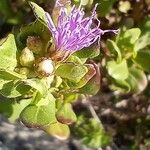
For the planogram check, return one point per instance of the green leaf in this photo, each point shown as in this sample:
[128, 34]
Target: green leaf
[12, 108]
[39, 12]
[70, 97]
[91, 72]
[14, 89]
[143, 41]
[89, 52]
[57, 81]
[2, 83]
[66, 114]
[120, 85]
[143, 59]
[10, 75]
[118, 71]
[114, 49]
[137, 80]
[10, 88]
[39, 115]
[132, 35]
[6, 107]
[74, 59]
[93, 85]
[104, 7]
[34, 29]
[126, 41]
[17, 109]
[44, 100]
[38, 85]
[8, 52]
[58, 130]
[73, 72]
[145, 25]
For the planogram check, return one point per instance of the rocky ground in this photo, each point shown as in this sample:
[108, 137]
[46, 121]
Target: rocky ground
[18, 137]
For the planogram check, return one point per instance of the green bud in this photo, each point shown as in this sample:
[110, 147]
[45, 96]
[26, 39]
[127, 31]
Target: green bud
[86, 2]
[44, 67]
[24, 71]
[34, 43]
[124, 6]
[26, 58]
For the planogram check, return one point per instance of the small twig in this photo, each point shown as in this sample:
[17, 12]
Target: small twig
[92, 111]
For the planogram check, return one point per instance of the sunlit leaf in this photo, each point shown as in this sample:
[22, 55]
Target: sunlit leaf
[10, 75]
[8, 52]
[14, 89]
[118, 71]
[143, 41]
[66, 115]
[39, 115]
[58, 130]
[91, 72]
[126, 41]
[132, 34]
[89, 52]
[136, 82]
[114, 49]
[73, 72]
[17, 108]
[38, 85]
[39, 12]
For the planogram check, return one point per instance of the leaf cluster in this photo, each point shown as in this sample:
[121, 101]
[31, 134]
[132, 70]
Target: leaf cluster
[40, 101]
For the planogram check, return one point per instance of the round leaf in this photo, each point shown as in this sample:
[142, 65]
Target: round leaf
[73, 72]
[58, 130]
[118, 71]
[143, 59]
[8, 51]
[66, 114]
[41, 114]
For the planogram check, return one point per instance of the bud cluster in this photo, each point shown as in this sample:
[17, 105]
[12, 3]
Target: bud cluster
[44, 67]
[34, 43]
[29, 58]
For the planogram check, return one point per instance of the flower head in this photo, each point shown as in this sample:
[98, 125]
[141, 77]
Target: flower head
[74, 31]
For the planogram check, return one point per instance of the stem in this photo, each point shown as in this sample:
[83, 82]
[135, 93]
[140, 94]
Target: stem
[92, 111]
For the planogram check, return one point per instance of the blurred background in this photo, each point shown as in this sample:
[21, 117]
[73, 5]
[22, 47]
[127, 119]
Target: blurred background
[125, 115]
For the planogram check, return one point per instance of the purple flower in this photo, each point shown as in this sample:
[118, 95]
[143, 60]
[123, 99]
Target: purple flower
[74, 31]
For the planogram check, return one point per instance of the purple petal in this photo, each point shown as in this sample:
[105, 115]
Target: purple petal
[73, 31]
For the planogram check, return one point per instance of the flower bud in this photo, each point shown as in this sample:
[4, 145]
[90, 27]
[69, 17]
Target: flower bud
[34, 43]
[24, 71]
[124, 6]
[26, 58]
[44, 67]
